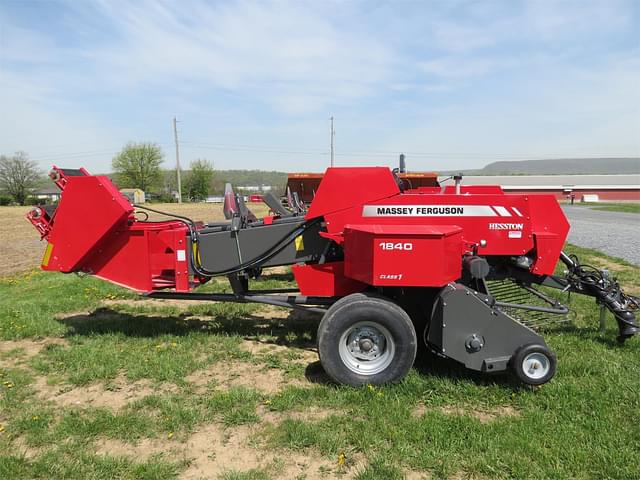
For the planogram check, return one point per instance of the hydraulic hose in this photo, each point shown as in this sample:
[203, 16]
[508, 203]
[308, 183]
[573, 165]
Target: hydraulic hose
[256, 261]
[594, 282]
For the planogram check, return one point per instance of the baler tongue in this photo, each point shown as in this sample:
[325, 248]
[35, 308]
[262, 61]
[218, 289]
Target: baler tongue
[607, 291]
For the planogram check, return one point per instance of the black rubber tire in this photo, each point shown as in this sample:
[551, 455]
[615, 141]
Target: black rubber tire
[369, 307]
[519, 357]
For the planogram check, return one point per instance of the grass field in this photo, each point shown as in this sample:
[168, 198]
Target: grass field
[616, 207]
[98, 383]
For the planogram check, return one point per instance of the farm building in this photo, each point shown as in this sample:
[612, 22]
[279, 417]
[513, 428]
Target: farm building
[606, 187]
[135, 195]
[48, 194]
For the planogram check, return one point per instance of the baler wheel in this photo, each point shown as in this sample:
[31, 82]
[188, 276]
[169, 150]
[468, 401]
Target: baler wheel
[534, 364]
[366, 339]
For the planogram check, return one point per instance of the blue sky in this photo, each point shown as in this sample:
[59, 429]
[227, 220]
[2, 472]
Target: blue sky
[453, 84]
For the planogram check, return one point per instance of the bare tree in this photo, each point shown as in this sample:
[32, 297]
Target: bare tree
[18, 175]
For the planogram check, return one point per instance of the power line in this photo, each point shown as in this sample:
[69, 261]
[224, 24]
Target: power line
[316, 151]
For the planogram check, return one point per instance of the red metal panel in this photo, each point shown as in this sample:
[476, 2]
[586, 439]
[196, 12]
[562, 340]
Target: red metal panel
[403, 255]
[306, 184]
[505, 222]
[143, 257]
[90, 208]
[343, 188]
[325, 280]
[550, 228]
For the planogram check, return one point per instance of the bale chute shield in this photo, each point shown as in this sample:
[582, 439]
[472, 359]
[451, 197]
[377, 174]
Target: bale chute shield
[90, 210]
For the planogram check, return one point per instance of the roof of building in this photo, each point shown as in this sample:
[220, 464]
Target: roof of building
[553, 181]
[53, 190]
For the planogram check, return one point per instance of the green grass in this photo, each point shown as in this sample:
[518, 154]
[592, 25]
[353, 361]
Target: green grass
[583, 424]
[616, 207]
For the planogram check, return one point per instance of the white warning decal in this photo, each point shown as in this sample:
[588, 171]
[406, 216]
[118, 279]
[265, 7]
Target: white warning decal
[428, 211]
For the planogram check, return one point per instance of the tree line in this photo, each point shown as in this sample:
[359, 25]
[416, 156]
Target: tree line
[137, 165]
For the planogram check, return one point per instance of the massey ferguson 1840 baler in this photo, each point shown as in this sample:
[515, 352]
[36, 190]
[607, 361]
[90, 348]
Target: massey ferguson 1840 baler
[385, 263]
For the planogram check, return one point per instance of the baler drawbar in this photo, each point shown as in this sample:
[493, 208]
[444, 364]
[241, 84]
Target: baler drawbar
[384, 262]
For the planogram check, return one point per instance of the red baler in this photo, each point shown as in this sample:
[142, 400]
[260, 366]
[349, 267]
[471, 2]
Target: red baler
[382, 260]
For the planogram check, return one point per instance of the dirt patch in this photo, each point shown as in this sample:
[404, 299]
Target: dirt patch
[115, 395]
[22, 255]
[309, 415]
[483, 415]
[20, 446]
[213, 450]
[277, 270]
[259, 349]
[608, 264]
[149, 302]
[25, 349]
[413, 475]
[144, 448]
[216, 451]
[241, 374]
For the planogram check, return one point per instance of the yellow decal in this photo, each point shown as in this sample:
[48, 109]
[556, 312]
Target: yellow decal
[196, 254]
[47, 255]
[299, 244]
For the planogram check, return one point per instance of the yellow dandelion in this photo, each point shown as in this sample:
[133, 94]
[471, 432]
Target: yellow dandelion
[170, 435]
[342, 459]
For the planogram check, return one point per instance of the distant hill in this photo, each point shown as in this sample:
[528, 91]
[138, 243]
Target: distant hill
[563, 166]
[237, 178]
[252, 177]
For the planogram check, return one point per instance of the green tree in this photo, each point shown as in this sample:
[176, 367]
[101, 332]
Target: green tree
[199, 179]
[138, 165]
[18, 175]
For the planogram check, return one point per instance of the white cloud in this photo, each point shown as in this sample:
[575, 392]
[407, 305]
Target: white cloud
[458, 67]
[291, 55]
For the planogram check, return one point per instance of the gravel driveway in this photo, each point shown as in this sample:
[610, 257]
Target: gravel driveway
[614, 233]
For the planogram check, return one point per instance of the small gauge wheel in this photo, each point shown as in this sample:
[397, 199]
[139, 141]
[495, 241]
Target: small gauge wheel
[534, 364]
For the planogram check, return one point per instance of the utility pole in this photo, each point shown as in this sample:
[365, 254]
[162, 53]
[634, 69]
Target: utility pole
[333, 135]
[175, 137]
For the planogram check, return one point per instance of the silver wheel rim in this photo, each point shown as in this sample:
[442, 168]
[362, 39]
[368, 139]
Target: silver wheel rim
[367, 348]
[536, 365]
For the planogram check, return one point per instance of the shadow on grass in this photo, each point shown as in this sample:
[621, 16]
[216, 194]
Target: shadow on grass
[298, 329]
[428, 364]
